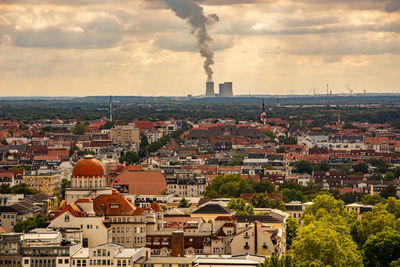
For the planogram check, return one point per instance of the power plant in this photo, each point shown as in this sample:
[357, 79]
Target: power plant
[225, 90]
[210, 89]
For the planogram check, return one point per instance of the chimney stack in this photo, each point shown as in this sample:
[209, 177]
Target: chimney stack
[178, 248]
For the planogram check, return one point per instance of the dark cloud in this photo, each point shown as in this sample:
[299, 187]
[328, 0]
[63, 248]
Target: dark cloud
[393, 6]
[56, 38]
[235, 2]
[386, 5]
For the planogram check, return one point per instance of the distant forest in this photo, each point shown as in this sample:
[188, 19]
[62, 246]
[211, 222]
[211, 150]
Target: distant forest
[238, 108]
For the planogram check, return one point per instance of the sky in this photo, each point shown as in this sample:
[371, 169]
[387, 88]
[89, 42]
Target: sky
[141, 47]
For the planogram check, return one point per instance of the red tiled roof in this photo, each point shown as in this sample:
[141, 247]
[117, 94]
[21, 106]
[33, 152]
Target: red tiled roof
[83, 200]
[156, 207]
[114, 204]
[138, 211]
[226, 218]
[73, 209]
[142, 182]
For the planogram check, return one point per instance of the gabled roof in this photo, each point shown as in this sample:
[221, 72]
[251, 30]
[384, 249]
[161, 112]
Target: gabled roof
[114, 204]
[138, 211]
[156, 207]
[73, 209]
[226, 218]
[213, 208]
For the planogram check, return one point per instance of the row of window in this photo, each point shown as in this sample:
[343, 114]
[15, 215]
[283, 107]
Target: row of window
[82, 263]
[128, 229]
[127, 219]
[122, 240]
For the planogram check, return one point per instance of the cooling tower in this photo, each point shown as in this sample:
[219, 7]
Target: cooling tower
[228, 89]
[210, 89]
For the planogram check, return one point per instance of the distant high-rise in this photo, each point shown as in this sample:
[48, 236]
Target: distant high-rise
[210, 89]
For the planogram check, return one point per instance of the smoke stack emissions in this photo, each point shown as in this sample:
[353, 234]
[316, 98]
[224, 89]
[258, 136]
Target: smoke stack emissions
[194, 15]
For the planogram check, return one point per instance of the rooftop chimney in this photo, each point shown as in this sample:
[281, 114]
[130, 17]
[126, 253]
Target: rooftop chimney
[178, 249]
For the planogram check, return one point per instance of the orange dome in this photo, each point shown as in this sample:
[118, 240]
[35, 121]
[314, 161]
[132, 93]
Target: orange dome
[88, 166]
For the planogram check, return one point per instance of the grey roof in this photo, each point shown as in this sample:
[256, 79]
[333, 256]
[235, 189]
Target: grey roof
[213, 208]
[260, 218]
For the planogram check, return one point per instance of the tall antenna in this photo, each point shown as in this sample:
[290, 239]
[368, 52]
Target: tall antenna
[111, 118]
[327, 89]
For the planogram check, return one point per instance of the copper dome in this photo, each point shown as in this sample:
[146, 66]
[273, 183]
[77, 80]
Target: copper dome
[88, 166]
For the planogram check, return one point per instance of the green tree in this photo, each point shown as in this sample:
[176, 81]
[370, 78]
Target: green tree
[292, 195]
[319, 243]
[393, 206]
[372, 199]
[382, 166]
[130, 157]
[280, 149]
[289, 140]
[184, 203]
[291, 228]
[397, 171]
[240, 206]
[389, 191]
[344, 168]
[107, 125]
[376, 176]
[231, 185]
[327, 203]
[361, 168]
[22, 189]
[5, 189]
[79, 129]
[264, 186]
[389, 176]
[144, 143]
[23, 127]
[372, 223]
[30, 223]
[261, 200]
[302, 166]
[64, 185]
[382, 249]
[351, 197]
[322, 166]
[285, 260]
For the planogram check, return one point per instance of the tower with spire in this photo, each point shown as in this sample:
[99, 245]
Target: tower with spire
[111, 118]
[263, 115]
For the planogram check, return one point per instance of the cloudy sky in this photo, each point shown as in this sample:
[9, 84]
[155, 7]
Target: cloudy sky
[140, 47]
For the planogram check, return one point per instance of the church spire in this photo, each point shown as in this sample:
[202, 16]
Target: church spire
[263, 115]
[111, 118]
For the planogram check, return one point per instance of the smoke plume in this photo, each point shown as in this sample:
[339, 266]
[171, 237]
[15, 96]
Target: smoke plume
[194, 15]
